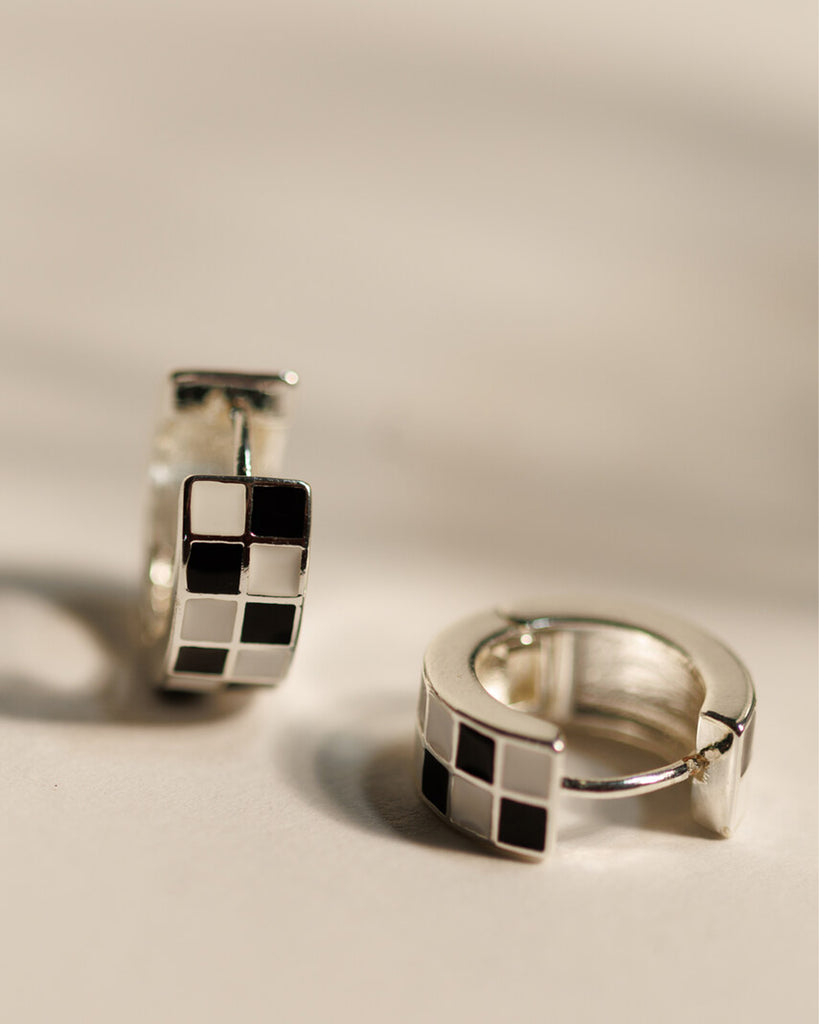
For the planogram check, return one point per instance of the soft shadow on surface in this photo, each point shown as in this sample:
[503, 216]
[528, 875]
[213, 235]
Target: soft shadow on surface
[362, 772]
[69, 652]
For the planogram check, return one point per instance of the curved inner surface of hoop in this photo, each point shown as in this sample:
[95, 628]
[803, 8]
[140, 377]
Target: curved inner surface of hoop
[610, 679]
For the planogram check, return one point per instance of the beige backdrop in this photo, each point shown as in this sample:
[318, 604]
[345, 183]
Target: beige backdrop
[547, 272]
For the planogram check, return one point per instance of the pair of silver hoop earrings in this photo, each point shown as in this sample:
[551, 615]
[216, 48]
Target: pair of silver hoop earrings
[227, 564]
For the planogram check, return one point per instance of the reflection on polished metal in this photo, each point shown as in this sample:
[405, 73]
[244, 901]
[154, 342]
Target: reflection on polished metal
[497, 687]
[227, 549]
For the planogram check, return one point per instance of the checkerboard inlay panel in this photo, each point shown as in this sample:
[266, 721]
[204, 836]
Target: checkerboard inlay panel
[240, 590]
[492, 785]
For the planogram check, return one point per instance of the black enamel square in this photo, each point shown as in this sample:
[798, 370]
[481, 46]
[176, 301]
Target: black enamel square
[268, 623]
[522, 825]
[476, 754]
[279, 511]
[207, 660]
[214, 568]
[435, 782]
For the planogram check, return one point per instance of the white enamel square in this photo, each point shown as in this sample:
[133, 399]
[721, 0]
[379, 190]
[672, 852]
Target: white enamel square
[439, 728]
[275, 570]
[218, 508]
[256, 663]
[526, 769]
[470, 806]
[207, 619]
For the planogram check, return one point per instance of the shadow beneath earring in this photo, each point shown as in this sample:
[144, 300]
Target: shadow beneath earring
[69, 652]
[361, 773]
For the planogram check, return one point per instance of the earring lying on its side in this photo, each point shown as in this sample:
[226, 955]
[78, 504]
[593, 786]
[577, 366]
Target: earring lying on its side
[497, 687]
[228, 550]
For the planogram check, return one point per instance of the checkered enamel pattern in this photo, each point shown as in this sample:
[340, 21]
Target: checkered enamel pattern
[498, 787]
[240, 590]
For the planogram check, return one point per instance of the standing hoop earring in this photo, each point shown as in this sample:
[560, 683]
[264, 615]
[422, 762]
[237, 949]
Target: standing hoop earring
[228, 539]
[496, 689]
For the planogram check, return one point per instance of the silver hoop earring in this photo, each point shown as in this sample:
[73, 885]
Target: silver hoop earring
[229, 539]
[497, 687]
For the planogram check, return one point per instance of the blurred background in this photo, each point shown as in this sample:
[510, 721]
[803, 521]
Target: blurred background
[547, 272]
[548, 275]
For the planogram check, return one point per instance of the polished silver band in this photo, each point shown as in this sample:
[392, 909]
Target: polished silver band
[228, 544]
[497, 688]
